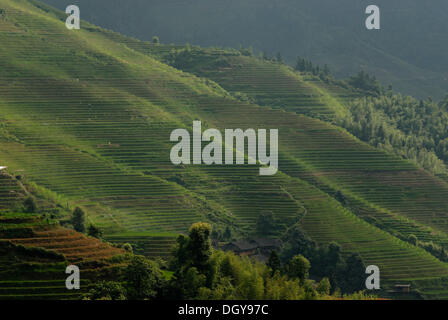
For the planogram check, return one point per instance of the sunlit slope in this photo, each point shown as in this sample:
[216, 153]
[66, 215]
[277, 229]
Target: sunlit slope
[34, 251]
[89, 119]
[390, 189]
[67, 103]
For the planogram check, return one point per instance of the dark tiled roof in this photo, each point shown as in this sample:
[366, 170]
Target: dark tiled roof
[263, 243]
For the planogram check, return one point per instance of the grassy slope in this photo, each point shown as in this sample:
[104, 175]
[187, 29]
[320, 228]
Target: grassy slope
[88, 117]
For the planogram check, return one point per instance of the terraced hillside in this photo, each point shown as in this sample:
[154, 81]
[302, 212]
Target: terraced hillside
[374, 184]
[34, 252]
[87, 115]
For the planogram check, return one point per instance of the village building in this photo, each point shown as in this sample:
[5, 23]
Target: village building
[253, 247]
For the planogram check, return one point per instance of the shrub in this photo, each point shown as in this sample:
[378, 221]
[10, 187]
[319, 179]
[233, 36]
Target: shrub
[30, 205]
[95, 232]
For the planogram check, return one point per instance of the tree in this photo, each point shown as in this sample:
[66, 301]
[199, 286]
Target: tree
[200, 245]
[227, 233]
[127, 247]
[155, 40]
[105, 290]
[265, 223]
[266, 57]
[324, 287]
[143, 279]
[274, 262]
[299, 267]
[193, 281]
[300, 64]
[78, 220]
[340, 197]
[296, 241]
[353, 278]
[94, 231]
[30, 205]
[279, 58]
[413, 239]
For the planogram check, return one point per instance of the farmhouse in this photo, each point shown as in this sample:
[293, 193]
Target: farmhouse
[242, 248]
[402, 288]
[253, 247]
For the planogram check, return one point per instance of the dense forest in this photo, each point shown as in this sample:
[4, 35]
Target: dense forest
[416, 130]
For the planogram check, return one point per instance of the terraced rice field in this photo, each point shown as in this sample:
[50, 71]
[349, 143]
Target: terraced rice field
[88, 115]
[37, 275]
[153, 246]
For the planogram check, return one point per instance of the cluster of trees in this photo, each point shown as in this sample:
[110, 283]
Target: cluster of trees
[200, 272]
[304, 65]
[266, 224]
[415, 130]
[436, 250]
[79, 224]
[142, 279]
[220, 235]
[344, 274]
[365, 82]
[197, 271]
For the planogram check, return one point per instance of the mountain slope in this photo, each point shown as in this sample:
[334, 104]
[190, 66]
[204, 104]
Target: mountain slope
[35, 252]
[408, 51]
[87, 115]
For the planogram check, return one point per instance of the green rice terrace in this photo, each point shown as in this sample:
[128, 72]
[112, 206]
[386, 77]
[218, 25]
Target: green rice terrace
[86, 118]
[35, 252]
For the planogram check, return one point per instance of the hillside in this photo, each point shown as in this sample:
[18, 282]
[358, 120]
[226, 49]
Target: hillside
[35, 252]
[408, 51]
[86, 119]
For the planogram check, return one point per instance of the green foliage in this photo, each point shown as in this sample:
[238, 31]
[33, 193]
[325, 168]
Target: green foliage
[326, 261]
[365, 82]
[107, 290]
[38, 252]
[155, 40]
[200, 245]
[306, 66]
[248, 52]
[227, 234]
[412, 239]
[296, 241]
[436, 250]
[127, 247]
[144, 279]
[30, 205]
[324, 287]
[415, 130]
[274, 262]
[266, 223]
[298, 267]
[279, 58]
[94, 231]
[359, 295]
[79, 220]
[227, 276]
[352, 278]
